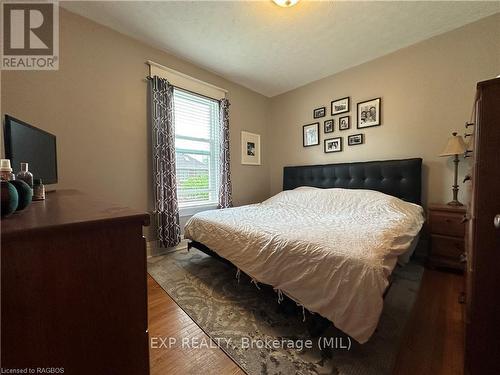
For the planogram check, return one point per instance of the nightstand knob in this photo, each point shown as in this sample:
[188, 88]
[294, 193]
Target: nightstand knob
[496, 221]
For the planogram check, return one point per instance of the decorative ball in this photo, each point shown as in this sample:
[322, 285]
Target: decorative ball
[9, 198]
[24, 192]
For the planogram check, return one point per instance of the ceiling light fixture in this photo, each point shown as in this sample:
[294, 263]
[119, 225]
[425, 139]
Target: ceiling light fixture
[286, 3]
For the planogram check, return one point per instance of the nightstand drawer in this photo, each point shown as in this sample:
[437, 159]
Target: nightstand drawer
[447, 247]
[448, 224]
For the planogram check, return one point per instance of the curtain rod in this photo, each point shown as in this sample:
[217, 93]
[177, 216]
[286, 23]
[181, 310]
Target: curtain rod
[152, 63]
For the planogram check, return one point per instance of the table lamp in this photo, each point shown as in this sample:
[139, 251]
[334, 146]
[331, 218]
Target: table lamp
[454, 147]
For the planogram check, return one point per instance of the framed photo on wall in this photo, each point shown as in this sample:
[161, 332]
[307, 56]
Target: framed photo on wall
[345, 123]
[356, 139]
[333, 145]
[340, 106]
[319, 112]
[310, 135]
[369, 113]
[250, 148]
[328, 124]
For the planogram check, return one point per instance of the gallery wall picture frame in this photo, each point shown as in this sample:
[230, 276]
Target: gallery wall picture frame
[310, 134]
[356, 139]
[319, 112]
[341, 105]
[344, 122]
[328, 126]
[369, 113]
[250, 148]
[333, 145]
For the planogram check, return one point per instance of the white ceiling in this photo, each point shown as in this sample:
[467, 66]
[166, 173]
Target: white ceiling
[272, 50]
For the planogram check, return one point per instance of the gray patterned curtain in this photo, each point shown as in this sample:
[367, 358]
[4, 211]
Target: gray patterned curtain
[166, 209]
[225, 194]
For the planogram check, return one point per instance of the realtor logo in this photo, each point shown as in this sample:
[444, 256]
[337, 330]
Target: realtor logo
[30, 36]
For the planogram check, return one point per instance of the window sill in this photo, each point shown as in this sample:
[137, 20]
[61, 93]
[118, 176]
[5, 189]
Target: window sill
[191, 210]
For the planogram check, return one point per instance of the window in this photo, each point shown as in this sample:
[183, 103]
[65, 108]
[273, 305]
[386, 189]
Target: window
[197, 149]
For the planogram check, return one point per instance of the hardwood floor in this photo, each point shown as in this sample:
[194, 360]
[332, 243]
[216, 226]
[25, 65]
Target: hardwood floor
[434, 337]
[433, 341]
[166, 319]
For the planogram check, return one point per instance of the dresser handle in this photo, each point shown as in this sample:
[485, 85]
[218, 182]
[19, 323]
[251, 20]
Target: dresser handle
[461, 298]
[465, 218]
[496, 221]
[462, 258]
[468, 135]
[467, 124]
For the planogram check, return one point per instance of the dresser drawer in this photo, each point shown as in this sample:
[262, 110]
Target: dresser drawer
[447, 247]
[446, 223]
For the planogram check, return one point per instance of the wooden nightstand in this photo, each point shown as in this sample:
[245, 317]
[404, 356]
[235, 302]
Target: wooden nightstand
[447, 227]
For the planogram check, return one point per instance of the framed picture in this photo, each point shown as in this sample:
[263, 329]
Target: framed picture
[310, 134]
[328, 126]
[369, 113]
[356, 139]
[333, 145]
[345, 123]
[340, 106]
[319, 112]
[250, 148]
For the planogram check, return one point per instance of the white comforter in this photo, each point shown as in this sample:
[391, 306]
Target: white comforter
[331, 250]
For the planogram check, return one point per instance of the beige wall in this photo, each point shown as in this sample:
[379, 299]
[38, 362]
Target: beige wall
[96, 104]
[427, 92]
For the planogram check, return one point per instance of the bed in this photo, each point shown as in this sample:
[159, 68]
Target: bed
[329, 241]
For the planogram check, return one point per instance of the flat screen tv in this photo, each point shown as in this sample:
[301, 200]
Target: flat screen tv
[26, 144]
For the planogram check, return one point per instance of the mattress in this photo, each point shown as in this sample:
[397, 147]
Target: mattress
[330, 250]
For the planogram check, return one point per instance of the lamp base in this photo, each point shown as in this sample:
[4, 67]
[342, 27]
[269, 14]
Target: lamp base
[454, 203]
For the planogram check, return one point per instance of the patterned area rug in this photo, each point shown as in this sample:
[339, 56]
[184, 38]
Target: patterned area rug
[264, 337]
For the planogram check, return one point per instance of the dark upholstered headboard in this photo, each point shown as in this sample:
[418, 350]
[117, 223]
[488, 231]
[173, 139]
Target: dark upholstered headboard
[399, 178]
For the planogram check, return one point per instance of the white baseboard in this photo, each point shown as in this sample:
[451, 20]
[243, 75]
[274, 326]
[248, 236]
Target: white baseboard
[154, 250]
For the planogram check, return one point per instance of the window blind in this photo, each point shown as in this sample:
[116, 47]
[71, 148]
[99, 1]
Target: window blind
[197, 148]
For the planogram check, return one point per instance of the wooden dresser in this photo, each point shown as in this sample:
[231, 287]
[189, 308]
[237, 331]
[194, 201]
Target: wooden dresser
[74, 287]
[447, 227]
[482, 312]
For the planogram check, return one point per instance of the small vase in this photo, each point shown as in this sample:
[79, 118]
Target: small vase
[24, 192]
[9, 198]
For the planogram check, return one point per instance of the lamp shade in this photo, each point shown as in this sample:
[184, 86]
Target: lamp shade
[454, 146]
